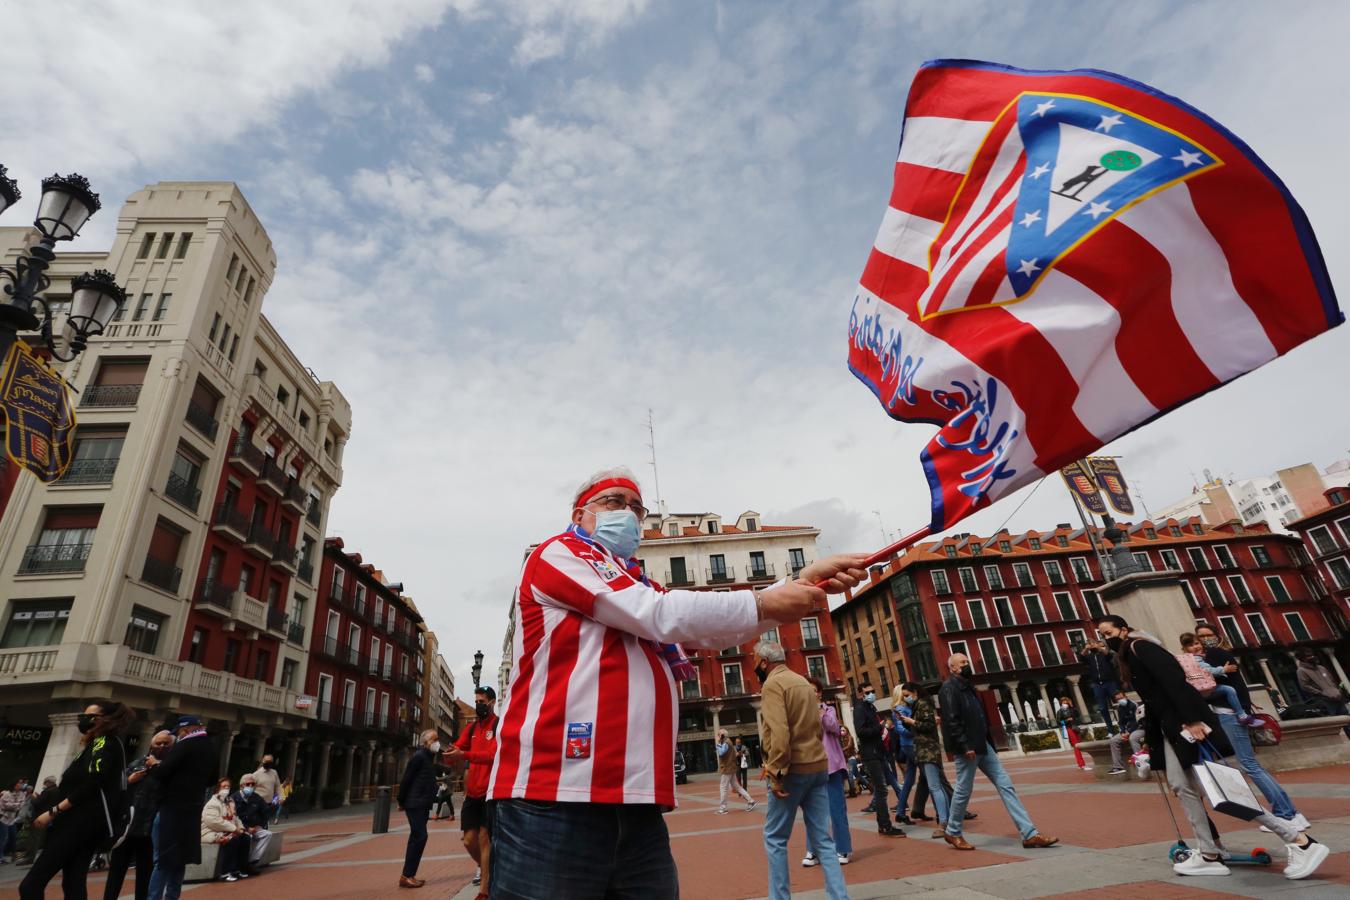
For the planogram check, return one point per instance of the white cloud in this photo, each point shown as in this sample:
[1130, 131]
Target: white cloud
[424, 73]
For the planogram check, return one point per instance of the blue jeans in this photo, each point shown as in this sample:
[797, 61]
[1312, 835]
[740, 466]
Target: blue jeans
[9, 839]
[569, 851]
[1224, 695]
[988, 763]
[1240, 738]
[889, 766]
[1104, 693]
[166, 881]
[906, 756]
[811, 793]
[843, 840]
[933, 775]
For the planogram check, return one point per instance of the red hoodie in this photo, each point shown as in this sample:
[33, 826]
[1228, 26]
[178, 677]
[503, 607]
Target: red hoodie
[479, 743]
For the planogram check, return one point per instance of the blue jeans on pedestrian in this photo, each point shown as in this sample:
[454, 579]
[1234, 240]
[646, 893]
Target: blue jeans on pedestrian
[894, 783]
[9, 839]
[1104, 692]
[811, 794]
[570, 851]
[1241, 739]
[1224, 695]
[843, 841]
[988, 763]
[906, 756]
[166, 882]
[932, 773]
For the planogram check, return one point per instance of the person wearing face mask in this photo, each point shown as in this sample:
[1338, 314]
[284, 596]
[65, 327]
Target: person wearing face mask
[416, 794]
[221, 825]
[585, 766]
[1127, 712]
[184, 775]
[253, 812]
[1067, 716]
[1219, 653]
[727, 763]
[965, 731]
[267, 782]
[477, 746]
[1178, 724]
[830, 732]
[867, 723]
[78, 823]
[143, 793]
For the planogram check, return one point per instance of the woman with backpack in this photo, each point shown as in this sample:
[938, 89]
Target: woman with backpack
[89, 806]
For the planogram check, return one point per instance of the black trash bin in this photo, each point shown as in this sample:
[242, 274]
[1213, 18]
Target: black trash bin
[380, 823]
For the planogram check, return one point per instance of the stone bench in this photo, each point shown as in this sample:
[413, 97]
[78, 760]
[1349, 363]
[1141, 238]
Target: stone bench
[1305, 743]
[209, 868]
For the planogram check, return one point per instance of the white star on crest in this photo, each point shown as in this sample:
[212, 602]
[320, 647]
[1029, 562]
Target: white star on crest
[1031, 218]
[1028, 267]
[1097, 210]
[1188, 158]
[1040, 170]
[1043, 108]
[1109, 122]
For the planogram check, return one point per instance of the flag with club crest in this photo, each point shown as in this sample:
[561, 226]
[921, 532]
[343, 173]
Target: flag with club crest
[1066, 256]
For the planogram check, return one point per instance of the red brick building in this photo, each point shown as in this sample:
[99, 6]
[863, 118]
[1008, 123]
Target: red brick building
[1326, 538]
[363, 675]
[1019, 605]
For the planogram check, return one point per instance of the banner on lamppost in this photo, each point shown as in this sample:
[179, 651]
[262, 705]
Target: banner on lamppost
[1109, 477]
[1081, 485]
[39, 417]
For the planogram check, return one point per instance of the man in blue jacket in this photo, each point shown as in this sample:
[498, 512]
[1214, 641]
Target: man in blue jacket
[965, 732]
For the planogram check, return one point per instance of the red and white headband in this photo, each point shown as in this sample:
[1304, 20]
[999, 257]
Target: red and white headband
[600, 487]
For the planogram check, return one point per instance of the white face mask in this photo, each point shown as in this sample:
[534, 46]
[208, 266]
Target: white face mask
[224, 795]
[435, 747]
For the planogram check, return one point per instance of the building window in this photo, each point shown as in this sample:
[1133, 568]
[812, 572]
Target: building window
[752, 525]
[993, 578]
[989, 655]
[1213, 591]
[1143, 562]
[977, 617]
[810, 632]
[717, 566]
[876, 645]
[215, 327]
[1034, 543]
[871, 619]
[1004, 610]
[1053, 571]
[1340, 571]
[239, 279]
[65, 541]
[1035, 612]
[950, 621]
[940, 583]
[950, 550]
[1197, 528]
[164, 244]
[184, 240]
[975, 548]
[147, 244]
[261, 660]
[1296, 627]
[815, 668]
[895, 640]
[288, 670]
[1277, 589]
[1198, 560]
[1258, 627]
[796, 560]
[1170, 561]
[1260, 556]
[36, 623]
[1225, 558]
[1238, 584]
[248, 294]
[1004, 547]
[956, 647]
[1064, 602]
[757, 567]
[1094, 604]
[162, 307]
[673, 529]
[731, 677]
[678, 574]
[862, 657]
[1174, 530]
[1081, 570]
[712, 527]
[224, 338]
[1017, 652]
[1077, 639]
[968, 583]
[141, 306]
[231, 656]
[1045, 643]
[1230, 627]
[689, 689]
[1151, 533]
[1022, 571]
[1190, 596]
[197, 648]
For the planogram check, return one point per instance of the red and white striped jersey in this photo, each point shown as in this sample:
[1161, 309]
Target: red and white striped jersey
[591, 711]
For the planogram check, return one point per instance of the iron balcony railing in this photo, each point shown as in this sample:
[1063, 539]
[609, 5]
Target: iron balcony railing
[162, 574]
[232, 517]
[306, 571]
[760, 573]
[721, 576]
[202, 420]
[276, 620]
[214, 592]
[315, 512]
[243, 453]
[180, 491]
[89, 471]
[50, 558]
[295, 633]
[678, 579]
[109, 395]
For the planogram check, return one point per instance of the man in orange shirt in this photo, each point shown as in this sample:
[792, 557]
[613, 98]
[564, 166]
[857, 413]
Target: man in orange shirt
[477, 745]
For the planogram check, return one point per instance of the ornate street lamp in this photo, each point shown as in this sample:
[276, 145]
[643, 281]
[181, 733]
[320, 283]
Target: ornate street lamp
[67, 203]
[477, 668]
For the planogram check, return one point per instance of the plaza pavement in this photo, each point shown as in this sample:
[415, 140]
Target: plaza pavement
[1114, 839]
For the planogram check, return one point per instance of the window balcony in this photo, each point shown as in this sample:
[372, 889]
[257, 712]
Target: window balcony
[306, 571]
[161, 574]
[230, 520]
[202, 420]
[680, 579]
[48, 559]
[276, 621]
[295, 497]
[246, 456]
[260, 541]
[812, 643]
[248, 611]
[215, 596]
[759, 573]
[314, 514]
[335, 593]
[181, 492]
[283, 557]
[89, 471]
[295, 633]
[720, 576]
[108, 396]
[272, 478]
[329, 648]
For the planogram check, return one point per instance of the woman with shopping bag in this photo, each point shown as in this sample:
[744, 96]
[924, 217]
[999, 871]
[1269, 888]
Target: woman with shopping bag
[1180, 723]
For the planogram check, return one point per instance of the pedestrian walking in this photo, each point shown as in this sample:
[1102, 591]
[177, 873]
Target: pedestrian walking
[867, 723]
[1099, 674]
[477, 746]
[89, 789]
[185, 775]
[1179, 722]
[965, 731]
[837, 770]
[728, 763]
[743, 762]
[416, 793]
[904, 752]
[445, 798]
[798, 768]
[138, 848]
[38, 804]
[920, 718]
[1067, 716]
[850, 749]
[585, 766]
[267, 784]
[12, 803]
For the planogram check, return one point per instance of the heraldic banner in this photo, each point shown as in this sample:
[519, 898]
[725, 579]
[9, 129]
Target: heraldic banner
[1083, 487]
[39, 417]
[1107, 474]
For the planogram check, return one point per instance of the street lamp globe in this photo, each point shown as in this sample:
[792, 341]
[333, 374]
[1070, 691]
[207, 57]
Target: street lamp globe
[97, 297]
[9, 190]
[67, 203]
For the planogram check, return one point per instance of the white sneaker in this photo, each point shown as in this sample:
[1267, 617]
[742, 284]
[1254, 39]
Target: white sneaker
[1303, 861]
[722, 811]
[1298, 823]
[843, 859]
[478, 875]
[810, 860]
[749, 806]
[1196, 864]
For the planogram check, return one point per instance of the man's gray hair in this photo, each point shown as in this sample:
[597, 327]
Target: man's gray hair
[604, 475]
[770, 651]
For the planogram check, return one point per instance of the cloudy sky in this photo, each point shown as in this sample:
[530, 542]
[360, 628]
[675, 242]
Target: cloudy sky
[507, 229]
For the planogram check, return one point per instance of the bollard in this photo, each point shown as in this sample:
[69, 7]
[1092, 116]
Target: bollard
[380, 823]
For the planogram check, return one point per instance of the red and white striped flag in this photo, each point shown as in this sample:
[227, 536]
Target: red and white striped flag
[1065, 256]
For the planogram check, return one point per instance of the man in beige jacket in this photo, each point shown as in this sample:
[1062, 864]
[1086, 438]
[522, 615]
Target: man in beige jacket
[796, 767]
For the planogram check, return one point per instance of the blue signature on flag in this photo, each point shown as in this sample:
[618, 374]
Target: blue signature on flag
[978, 407]
[889, 350]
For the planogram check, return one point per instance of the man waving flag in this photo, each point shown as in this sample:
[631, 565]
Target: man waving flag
[1065, 256]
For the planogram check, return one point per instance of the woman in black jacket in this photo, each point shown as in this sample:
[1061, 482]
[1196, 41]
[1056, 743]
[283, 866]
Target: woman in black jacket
[90, 801]
[1176, 709]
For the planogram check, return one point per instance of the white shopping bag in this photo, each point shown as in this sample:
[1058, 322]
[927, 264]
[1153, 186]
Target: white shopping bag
[1227, 790]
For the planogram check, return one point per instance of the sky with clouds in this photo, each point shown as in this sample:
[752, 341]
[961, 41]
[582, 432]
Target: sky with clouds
[507, 229]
